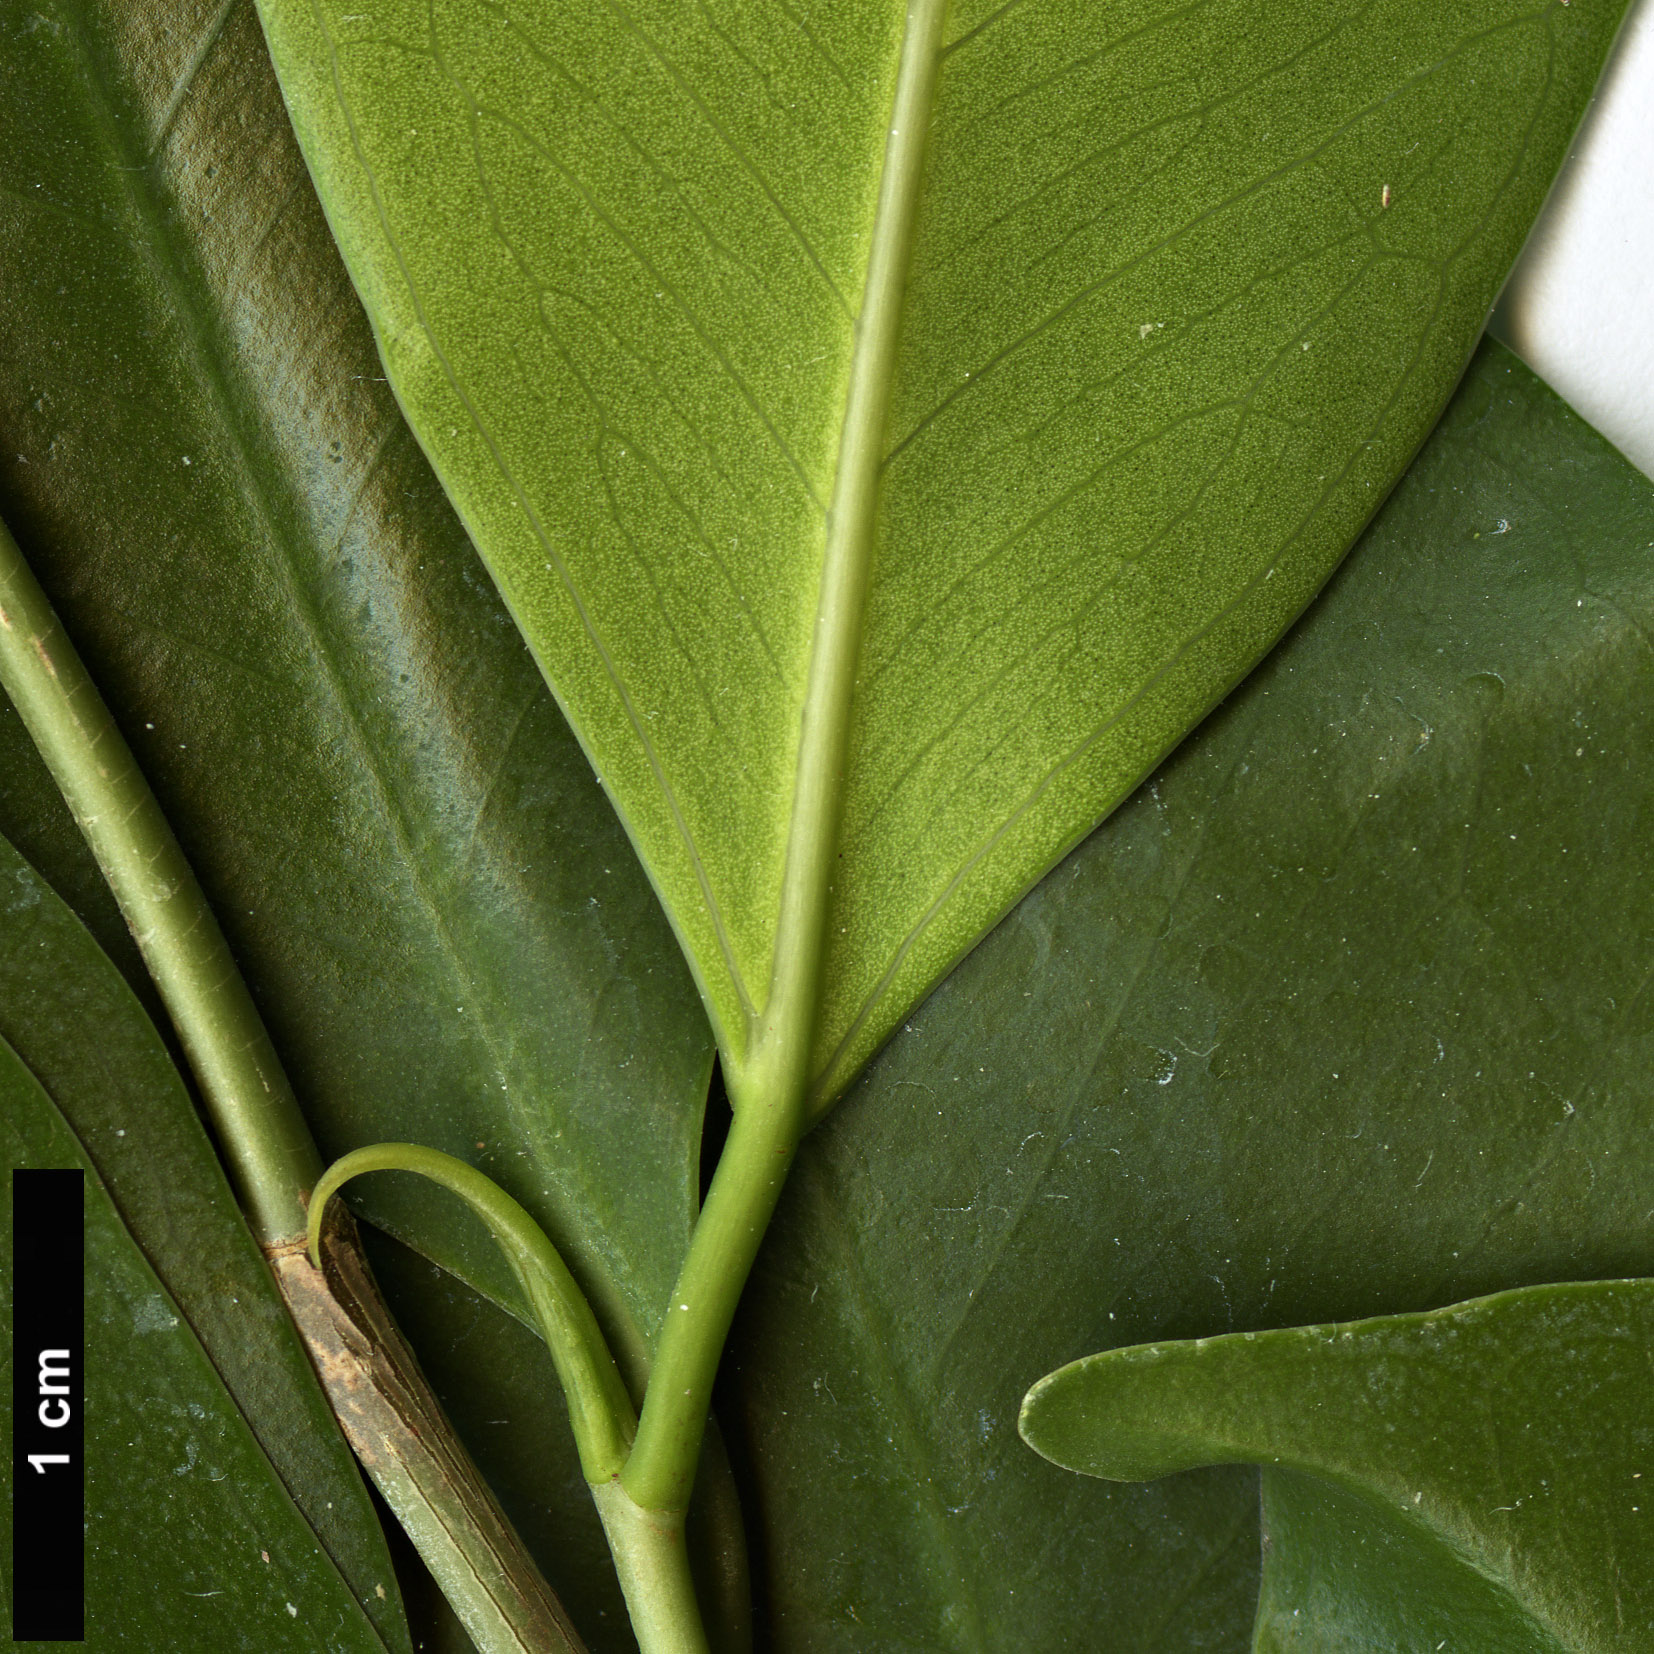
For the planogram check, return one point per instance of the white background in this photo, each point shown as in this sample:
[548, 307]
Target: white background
[1579, 307]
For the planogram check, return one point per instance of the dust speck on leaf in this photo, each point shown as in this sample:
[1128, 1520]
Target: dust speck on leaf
[151, 1314]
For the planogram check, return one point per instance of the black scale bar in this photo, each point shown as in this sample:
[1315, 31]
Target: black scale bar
[48, 1417]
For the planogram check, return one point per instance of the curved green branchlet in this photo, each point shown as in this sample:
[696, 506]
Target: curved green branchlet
[600, 1410]
[272, 1158]
[647, 1544]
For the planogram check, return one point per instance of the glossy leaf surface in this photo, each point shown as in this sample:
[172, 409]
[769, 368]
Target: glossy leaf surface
[990, 389]
[1346, 1013]
[444, 928]
[1511, 1432]
[1342, 1573]
[134, 1123]
[222, 1504]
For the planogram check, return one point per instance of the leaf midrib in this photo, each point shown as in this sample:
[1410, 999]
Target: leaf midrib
[830, 1077]
[787, 1023]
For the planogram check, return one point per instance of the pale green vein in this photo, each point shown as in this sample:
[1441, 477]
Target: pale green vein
[767, 1089]
[789, 1014]
[1245, 410]
[190, 73]
[727, 139]
[974, 379]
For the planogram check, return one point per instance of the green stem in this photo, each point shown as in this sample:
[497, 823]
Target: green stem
[744, 1191]
[648, 1545]
[381, 1399]
[653, 1565]
[272, 1159]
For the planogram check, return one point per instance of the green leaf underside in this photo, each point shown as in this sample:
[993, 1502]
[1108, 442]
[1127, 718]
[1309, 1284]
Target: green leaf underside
[135, 1124]
[1163, 347]
[1515, 1429]
[1349, 1012]
[192, 1541]
[440, 919]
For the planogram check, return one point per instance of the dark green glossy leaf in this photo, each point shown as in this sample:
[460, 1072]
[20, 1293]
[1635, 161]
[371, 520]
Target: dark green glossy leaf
[1508, 1439]
[1342, 1574]
[986, 385]
[223, 1509]
[1348, 1012]
[443, 925]
[121, 1096]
